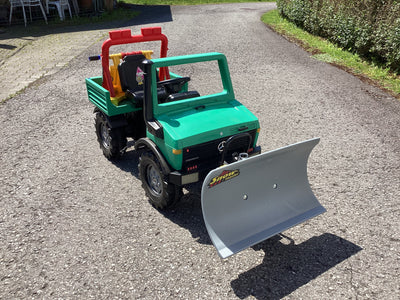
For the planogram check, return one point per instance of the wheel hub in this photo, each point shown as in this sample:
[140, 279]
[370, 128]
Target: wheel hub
[105, 136]
[154, 180]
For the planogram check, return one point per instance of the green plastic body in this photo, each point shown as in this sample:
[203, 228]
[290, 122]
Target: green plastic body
[198, 120]
[186, 122]
[101, 97]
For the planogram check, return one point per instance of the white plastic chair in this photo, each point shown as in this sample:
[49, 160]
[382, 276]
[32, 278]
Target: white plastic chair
[61, 5]
[26, 3]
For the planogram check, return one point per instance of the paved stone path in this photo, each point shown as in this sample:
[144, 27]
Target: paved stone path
[27, 58]
[27, 54]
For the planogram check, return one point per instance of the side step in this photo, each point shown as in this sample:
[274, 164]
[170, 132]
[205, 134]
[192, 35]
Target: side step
[256, 198]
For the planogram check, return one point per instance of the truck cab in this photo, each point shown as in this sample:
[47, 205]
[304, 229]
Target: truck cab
[196, 132]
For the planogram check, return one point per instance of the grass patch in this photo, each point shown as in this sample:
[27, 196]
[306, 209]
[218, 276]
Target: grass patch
[188, 2]
[328, 52]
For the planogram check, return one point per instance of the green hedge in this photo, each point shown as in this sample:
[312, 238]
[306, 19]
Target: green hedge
[370, 28]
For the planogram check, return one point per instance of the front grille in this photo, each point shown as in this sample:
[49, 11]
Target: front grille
[205, 157]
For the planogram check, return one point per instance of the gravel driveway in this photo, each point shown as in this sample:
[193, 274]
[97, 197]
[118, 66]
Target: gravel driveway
[73, 225]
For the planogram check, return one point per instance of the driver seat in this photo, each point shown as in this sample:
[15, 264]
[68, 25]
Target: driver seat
[131, 72]
[132, 78]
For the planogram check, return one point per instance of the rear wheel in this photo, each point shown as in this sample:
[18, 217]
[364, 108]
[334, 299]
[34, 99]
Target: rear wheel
[112, 141]
[161, 194]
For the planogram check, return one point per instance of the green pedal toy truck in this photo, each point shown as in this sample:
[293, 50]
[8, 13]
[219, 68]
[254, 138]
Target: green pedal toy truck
[188, 127]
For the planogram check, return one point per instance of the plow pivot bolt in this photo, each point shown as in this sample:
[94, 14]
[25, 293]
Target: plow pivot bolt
[245, 197]
[275, 186]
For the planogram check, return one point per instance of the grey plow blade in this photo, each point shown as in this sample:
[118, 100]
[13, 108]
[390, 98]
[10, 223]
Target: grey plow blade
[256, 198]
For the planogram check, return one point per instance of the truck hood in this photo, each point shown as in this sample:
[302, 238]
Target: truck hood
[205, 123]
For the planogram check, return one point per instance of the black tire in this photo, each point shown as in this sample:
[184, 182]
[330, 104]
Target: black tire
[112, 141]
[161, 194]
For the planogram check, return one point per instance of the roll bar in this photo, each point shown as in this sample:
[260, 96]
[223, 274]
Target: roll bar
[124, 36]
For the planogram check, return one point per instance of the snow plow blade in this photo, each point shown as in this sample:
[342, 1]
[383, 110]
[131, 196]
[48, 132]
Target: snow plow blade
[253, 199]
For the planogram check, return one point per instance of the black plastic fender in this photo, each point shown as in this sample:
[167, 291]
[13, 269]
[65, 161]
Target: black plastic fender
[114, 121]
[149, 144]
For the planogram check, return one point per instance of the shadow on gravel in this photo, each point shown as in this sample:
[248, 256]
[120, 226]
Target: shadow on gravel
[148, 14]
[186, 213]
[129, 161]
[287, 266]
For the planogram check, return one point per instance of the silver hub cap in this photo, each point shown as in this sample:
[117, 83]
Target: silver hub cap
[154, 180]
[105, 137]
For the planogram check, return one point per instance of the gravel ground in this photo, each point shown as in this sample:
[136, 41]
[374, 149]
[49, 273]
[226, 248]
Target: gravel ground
[74, 225]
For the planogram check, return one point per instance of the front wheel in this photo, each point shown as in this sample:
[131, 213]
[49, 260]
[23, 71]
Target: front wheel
[112, 141]
[161, 194]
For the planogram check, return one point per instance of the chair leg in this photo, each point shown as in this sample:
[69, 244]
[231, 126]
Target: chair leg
[69, 9]
[23, 11]
[30, 12]
[60, 13]
[11, 8]
[44, 14]
[76, 6]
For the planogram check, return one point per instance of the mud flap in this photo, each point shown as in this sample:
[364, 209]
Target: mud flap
[253, 199]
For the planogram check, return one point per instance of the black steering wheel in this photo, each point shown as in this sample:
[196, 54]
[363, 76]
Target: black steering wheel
[173, 85]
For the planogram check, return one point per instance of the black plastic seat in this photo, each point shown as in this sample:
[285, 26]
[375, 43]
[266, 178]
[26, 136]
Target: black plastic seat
[130, 70]
[132, 78]
[138, 96]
